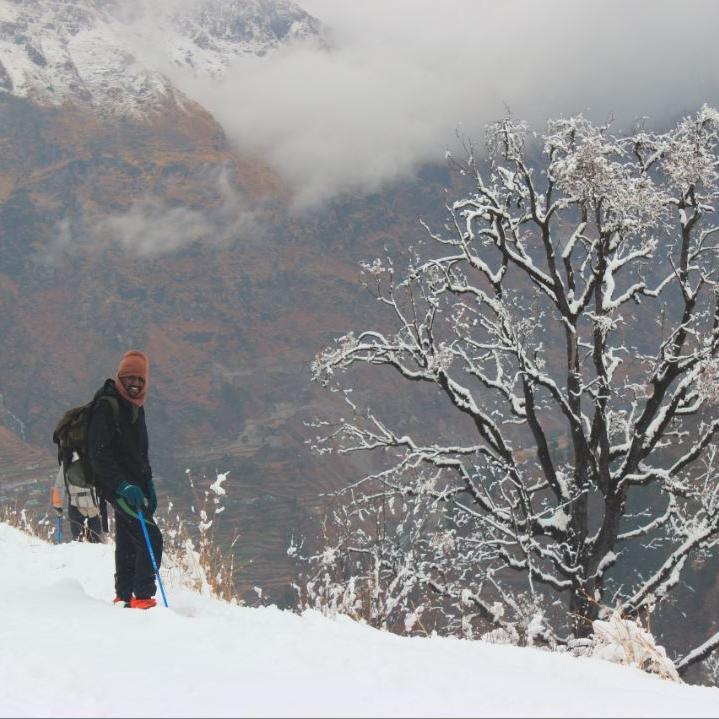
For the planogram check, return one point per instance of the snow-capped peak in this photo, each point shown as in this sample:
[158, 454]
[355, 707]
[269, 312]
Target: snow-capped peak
[97, 52]
[205, 36]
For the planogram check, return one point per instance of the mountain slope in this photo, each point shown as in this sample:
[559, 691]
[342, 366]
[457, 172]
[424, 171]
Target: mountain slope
[128, 219]
[108, 55]
[203, 657]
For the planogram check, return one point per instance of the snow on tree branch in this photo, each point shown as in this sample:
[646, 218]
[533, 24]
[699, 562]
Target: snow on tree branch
[567, 318]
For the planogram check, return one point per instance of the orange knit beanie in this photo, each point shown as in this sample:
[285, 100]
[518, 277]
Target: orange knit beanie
[135, 363]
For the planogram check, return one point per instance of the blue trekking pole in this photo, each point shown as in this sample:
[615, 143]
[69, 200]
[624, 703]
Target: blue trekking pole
[152, 555]
[58, 529]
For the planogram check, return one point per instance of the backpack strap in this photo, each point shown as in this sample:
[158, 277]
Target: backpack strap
[115, 407]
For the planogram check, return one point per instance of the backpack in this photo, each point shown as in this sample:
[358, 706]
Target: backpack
[70, 436]
[85, 501]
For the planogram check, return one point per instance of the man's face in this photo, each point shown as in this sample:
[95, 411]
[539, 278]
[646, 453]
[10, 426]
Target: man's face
[133, 384]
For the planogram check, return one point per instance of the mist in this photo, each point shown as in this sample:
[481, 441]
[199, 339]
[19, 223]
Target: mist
[151, 227]
[401, 77]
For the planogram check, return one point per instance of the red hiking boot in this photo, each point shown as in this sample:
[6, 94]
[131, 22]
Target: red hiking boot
[136, 603]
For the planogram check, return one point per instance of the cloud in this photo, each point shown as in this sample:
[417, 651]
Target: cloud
[151, 226]
[403, 75]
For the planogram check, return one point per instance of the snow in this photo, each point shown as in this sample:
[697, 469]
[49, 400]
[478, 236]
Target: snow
[67, 651]
[82, 59]
[114, 56]
[559, 519]
[216, 486]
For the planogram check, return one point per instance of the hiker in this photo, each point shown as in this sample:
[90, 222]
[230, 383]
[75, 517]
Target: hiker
[118, 453]
[84, 509]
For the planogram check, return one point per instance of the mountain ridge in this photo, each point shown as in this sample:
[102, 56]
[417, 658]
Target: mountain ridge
[110, 56]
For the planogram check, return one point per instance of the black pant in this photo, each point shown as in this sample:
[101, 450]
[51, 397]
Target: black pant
[133, 567]
[80, 531]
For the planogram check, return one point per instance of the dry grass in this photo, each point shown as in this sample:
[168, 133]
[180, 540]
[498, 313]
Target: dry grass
[41, 527]
[626, 641]
[192, 556]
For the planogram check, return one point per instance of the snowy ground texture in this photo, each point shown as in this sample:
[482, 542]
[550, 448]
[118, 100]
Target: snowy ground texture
[207, 658]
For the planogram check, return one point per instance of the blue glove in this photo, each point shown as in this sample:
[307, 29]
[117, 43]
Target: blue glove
[152, 499]
[132, 494]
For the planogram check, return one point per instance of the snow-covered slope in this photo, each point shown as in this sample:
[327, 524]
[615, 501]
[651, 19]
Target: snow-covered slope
[110, 54]
[66, 651]
[205, 37]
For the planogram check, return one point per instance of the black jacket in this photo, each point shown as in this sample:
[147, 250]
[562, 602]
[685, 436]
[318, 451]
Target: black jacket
[118, 450]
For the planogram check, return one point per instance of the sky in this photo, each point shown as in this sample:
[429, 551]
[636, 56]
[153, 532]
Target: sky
[68, 652]
[402, 77]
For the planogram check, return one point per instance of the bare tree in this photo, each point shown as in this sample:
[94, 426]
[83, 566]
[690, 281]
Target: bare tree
[569, 313]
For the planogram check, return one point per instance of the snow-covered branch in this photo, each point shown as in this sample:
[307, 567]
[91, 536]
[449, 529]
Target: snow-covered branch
[567, 317]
